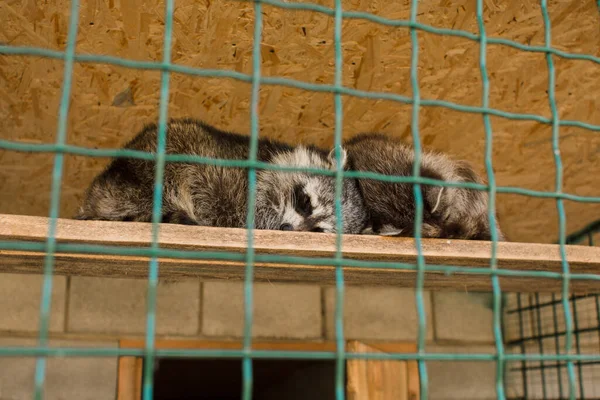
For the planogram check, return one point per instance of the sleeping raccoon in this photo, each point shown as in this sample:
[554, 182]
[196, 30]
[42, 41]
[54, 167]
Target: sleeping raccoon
[209, 195]
[447, 212]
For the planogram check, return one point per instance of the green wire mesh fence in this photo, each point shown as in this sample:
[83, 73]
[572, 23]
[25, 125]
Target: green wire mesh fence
[247, 353]
[533, 323]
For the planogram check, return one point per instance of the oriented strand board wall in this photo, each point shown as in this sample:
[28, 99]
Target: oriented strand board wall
[110, 103]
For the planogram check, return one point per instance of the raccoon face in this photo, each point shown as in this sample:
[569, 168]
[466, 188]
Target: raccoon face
[305, 208]
[305, 202]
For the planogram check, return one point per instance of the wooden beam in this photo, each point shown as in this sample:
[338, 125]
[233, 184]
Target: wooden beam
[469, 254]
[129, 378]
[375, 379]
[262, 344]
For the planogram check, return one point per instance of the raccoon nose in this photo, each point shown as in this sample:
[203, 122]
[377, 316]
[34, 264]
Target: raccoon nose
[286, 227]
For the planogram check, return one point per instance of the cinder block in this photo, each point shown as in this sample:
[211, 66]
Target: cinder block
[81, 378]
[20, 297]
[107, 305]
[378, 313]
[280, 310]
[461, 380]
[466, 317]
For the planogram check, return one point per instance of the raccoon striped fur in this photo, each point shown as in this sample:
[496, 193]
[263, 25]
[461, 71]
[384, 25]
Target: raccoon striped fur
[209, 195]
[447, 212]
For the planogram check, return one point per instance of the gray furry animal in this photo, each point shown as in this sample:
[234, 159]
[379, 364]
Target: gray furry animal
[209, 195]
[447, 212]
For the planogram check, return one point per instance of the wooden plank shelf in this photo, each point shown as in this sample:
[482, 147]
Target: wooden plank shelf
[468, 254]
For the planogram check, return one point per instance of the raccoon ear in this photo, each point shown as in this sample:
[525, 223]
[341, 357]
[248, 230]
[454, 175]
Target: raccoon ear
[343, 158]
[433, 197]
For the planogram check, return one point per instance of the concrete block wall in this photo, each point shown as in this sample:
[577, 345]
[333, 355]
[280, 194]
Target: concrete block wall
[65, 378]
[99, 311]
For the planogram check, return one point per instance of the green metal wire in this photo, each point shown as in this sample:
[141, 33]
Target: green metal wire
[149, 353]
[496, 290]
[280, 259]
[50, 247]
[340, 343]
[577, 347]
[559, 202]
[247, 378]
[17, 351]
[98, 59]
[426, 28]
[556, 341]
[414, 125]
[124, 153]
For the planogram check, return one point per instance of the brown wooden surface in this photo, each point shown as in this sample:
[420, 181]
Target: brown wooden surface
[414, 389]
[514, 256]
[130, 378]
[139, 373]
[375, 379]
[126, 379]
[229, 345]
[412, 367]
[389, 347]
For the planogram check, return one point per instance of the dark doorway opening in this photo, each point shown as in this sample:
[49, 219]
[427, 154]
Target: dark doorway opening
[221, 379]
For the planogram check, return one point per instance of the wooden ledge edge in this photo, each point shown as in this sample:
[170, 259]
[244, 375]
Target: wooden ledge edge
[469, 254]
